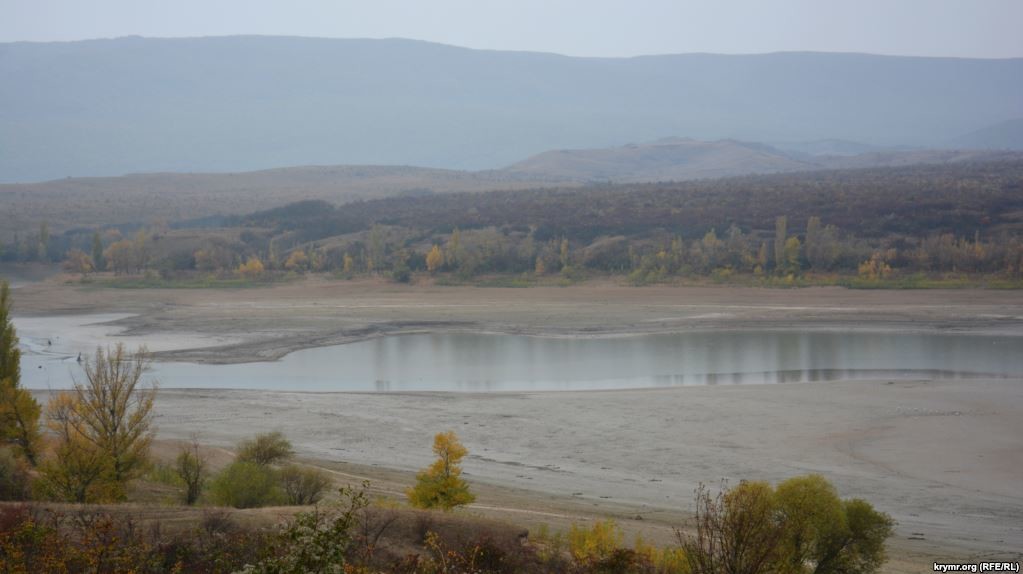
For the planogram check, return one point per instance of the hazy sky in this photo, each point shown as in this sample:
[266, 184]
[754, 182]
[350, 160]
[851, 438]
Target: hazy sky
[967, 28]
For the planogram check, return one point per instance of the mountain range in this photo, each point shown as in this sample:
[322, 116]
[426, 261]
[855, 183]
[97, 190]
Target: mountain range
[229, 104]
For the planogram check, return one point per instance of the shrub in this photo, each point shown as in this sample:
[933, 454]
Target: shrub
[303, 485]
[595, 543]
[316, 541]
[14, 478]
[246, 485]
[265, 449]
[800, 526]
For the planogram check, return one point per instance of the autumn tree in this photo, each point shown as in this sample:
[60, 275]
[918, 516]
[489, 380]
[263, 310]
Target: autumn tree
[761, 266]
[735, 532]
[441, 485]
[813, 242]
[780, 235]
[434, 259]
[875, 268]
[77, 470]
[800, 527]
[454, 249]
[19, 411]
[44, 242]
[77, 261]
[190, 466]
[377, 249]
[820, 244]
[140, 250]
[297, 261]
[97, 252]
[792, 250]
[112, 410]
[251, 269]
[120, 257]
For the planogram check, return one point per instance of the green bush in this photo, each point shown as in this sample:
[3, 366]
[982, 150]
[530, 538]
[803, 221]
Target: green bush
[265, 449]
[246, 485]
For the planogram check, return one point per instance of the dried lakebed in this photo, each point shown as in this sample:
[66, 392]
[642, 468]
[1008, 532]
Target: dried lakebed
[874, 433]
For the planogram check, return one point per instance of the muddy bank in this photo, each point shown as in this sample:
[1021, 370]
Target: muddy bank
[267, 323]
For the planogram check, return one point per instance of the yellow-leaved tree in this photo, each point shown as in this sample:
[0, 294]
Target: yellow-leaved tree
[441, 485]
[104, 428]
[251, 269]
[434, 259]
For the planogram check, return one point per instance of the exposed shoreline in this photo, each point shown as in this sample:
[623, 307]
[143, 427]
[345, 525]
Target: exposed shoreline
[942, 456]
[268, 323]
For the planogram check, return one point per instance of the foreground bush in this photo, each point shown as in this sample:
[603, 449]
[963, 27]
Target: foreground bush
[88, 540]
[246, 485]
[14, 477]
[802, 526]
[317, 541]
[303, 485]
[266, 449]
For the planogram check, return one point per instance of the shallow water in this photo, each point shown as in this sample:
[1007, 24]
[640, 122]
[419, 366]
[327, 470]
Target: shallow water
[470, 362]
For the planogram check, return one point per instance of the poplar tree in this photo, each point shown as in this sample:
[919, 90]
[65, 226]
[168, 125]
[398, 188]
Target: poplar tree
[780, 235]
[19, 411]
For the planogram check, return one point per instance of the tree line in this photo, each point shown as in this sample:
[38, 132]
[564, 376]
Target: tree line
[873, 224]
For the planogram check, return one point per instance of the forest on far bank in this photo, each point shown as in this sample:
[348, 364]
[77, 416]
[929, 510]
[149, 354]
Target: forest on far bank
[874, 225]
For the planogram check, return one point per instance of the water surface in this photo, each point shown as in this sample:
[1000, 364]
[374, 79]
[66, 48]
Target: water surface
[483, 363]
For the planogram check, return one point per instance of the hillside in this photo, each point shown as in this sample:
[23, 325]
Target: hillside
[1003, 135]
[679, 159]
[129, 105]
[166, 197]
[961, 198]
[664, 160]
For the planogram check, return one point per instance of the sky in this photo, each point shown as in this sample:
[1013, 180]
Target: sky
[607, 28]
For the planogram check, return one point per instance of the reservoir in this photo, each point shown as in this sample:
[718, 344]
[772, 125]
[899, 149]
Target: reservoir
[464, 362]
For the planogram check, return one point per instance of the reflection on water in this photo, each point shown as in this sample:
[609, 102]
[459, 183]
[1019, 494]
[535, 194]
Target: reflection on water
[465, 362]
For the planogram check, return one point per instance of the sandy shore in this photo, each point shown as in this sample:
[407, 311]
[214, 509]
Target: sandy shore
[943, 457]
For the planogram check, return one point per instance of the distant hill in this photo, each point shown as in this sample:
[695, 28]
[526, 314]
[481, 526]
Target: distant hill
[167, 197]
[828, 147]
[663, 160]
[677, 159]
[1003, 135]
[128, 105]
